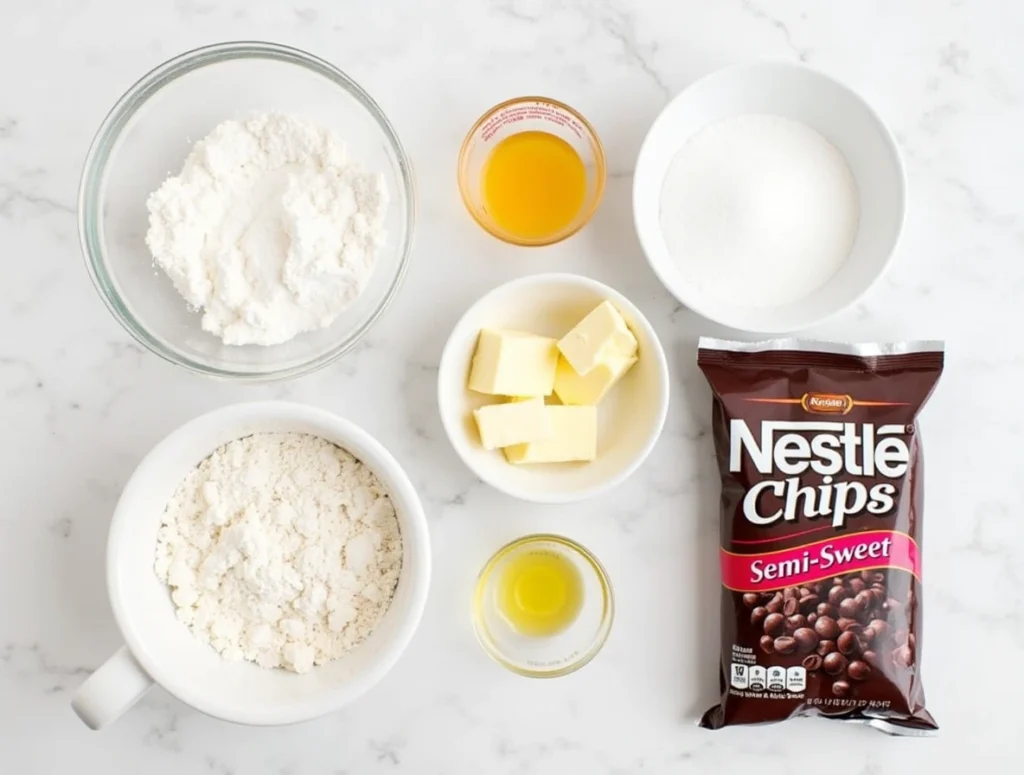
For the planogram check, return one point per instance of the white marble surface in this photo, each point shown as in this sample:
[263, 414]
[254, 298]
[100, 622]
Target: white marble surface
[81, 403]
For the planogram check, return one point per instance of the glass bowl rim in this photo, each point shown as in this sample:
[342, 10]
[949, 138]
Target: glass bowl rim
[607, 614]
[109, 134]
[600, 163]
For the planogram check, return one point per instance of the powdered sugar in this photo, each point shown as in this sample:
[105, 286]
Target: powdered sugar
[282, 549]
[759, 210]
[269, 228]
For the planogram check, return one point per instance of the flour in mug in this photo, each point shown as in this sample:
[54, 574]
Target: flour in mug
[270, 228]
[759, 210]
[281, 549]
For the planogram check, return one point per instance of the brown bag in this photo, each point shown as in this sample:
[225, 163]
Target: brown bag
[821, 509]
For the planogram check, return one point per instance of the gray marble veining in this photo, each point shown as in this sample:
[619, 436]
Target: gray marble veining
[80, 403]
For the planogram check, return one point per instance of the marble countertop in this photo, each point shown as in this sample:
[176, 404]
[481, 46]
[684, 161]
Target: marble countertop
[81, 403]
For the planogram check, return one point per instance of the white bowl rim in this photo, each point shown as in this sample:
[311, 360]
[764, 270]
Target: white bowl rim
[105, 141]
[451, 425]
[330, 700]
[685, 293]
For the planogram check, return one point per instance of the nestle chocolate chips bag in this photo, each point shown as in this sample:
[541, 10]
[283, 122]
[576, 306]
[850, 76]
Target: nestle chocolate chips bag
[822, 504]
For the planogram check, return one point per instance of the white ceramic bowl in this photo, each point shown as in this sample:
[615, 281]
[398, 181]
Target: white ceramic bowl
[161, 649]
[630, 417]
[825, 105]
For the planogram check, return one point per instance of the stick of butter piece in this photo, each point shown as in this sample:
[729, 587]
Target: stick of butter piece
[513, 363]
[517, 422]
[574, 437]
[575, 390]
[600, 336]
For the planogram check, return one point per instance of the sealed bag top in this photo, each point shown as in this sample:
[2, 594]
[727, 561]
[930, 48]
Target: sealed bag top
[821, 510]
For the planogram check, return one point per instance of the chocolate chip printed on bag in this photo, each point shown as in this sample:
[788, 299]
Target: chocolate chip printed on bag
[821, 509]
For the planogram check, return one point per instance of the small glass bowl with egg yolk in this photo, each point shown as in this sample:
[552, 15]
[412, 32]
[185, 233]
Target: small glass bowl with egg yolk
[532, 171]
[543, 606]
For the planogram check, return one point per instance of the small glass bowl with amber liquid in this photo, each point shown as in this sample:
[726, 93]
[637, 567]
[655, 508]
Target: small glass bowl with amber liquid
[543, 606]
[532, 171]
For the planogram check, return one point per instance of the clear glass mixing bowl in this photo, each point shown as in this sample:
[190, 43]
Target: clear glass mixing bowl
[146, 137]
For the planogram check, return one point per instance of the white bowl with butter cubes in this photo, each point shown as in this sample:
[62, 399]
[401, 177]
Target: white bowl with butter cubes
[553, 388]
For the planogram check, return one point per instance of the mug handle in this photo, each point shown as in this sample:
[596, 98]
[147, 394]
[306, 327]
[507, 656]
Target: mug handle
[111, 690]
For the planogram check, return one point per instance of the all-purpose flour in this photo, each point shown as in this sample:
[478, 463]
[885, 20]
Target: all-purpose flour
[282, 549]
[759, 210]
[269, 228]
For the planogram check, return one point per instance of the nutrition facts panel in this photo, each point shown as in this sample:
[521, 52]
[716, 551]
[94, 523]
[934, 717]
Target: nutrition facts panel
[773, 679]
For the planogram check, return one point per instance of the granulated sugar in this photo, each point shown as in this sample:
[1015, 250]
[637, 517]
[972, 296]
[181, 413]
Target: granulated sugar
[759, 210]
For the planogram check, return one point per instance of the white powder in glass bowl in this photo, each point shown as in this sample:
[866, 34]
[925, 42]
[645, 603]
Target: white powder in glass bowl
[269, 228]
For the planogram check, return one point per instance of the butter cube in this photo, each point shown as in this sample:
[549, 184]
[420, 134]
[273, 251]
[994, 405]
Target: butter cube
[513, 363]
[574, 438]
[573, 389]
[517, 422]
[600, 336]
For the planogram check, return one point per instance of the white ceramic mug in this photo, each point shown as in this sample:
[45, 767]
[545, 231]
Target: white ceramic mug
[160, 649]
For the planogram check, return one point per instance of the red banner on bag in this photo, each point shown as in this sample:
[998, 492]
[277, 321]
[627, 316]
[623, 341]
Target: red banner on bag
[812, 562]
